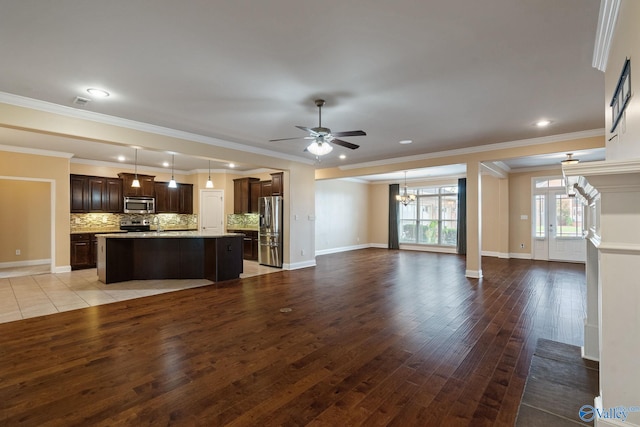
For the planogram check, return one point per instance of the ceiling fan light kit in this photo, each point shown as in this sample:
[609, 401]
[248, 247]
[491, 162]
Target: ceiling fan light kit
[323, 137]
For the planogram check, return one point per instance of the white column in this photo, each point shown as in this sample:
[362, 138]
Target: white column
[591, 347]
[474, 221]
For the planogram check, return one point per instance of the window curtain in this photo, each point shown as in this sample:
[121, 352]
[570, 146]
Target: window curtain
[462, 217]
[394, 190]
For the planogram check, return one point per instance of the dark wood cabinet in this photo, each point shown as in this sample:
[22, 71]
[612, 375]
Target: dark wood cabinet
[242, 195]
[249, 244]
[265, 189]
[277, 184]
[146, 189]
[255, 187]
[95, 194]
[84, 251]
[186, 198]
[174, 200]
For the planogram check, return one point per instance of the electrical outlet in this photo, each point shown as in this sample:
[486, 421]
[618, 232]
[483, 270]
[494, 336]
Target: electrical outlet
[521, 245]
[17, 251]
[302, 252]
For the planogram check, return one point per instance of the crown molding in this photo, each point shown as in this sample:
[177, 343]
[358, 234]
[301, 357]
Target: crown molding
[604, 35]
[49, 107]
[36, 151]
[480, 149]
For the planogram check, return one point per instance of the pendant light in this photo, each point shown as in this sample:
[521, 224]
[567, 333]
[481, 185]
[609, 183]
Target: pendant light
[172, 183]
[405, 198]
[136, 183]
[209, 182]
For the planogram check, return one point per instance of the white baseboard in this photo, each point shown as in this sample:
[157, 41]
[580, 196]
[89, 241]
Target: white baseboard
[342, 249]
[473, 274]
[24, 263]
[495, 254]
[62, 269]
[609, 422]
[299, 265]
[379, 245]
[520, 256]
[439, 249]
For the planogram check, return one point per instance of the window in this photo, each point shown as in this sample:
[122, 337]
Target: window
[540, 215]
[432, 219]
[568, 216]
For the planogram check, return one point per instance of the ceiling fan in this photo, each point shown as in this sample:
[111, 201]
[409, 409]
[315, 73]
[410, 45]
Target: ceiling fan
[323, 137]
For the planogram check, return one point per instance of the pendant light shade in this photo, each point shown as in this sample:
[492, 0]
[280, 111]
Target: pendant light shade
[209, 182]
[172, 183]
[319, 148]
[136, 183]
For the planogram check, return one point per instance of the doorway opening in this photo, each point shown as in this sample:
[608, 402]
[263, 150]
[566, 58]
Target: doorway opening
[558, 221]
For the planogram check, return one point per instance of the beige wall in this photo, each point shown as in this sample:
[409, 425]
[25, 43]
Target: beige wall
[379, 214]
[55, 169]
[491, 225]
[342, 214]
[25, 220]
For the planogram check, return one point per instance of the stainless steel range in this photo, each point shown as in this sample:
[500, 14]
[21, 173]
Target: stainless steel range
[135, 225]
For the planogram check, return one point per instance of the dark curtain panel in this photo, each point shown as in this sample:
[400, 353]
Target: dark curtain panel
[394, 190]
[462, 216]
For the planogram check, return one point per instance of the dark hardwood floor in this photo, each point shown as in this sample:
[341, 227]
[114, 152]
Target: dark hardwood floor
[374, 337]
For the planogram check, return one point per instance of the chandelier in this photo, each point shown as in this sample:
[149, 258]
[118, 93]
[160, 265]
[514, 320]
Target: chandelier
[405, 198]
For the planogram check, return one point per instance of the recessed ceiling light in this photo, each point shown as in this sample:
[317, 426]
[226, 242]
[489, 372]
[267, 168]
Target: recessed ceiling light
[165, 164]
[121, 158]
[543, 123]
[406, 141]
[231, 165]
[342, 156]
[100, 93]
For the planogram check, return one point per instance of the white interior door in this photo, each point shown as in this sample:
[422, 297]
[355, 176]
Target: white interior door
[558, 224]
[566, 242]
[212, 211]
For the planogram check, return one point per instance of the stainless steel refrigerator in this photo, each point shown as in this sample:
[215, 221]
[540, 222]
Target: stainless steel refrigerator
[270, 232]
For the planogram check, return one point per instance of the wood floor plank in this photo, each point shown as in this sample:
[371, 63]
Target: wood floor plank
[374, 337]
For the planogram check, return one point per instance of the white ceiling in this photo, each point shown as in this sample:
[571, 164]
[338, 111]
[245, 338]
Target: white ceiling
[448, 75]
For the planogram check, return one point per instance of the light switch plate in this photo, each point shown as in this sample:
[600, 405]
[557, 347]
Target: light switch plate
[524, 216]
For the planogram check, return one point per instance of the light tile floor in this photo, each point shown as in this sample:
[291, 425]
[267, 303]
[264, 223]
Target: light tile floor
[36, 294]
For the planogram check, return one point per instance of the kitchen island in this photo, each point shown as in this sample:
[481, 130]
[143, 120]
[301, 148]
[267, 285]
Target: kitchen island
[169, 255]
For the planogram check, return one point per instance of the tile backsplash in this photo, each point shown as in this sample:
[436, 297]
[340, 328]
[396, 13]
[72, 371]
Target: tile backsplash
[109, 221]
[242, 221]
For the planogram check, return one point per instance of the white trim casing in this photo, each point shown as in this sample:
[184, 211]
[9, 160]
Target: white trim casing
[473, 274]
[342, 249]
[27, 263]
[604, 34]
[299, 265]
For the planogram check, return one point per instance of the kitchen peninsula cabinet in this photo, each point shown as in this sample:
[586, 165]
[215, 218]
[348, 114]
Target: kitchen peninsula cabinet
[169, 255]
[146, 188]
[97, 194]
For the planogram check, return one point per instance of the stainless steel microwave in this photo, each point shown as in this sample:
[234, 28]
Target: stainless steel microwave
[139, 205]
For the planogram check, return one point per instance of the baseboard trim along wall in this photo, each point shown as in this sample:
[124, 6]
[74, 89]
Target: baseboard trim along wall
[439, 249]
[342, 249]
[473, 274]
[24, 263]
[299, 265]
[62, 269]
[495, 254]
[520, 256]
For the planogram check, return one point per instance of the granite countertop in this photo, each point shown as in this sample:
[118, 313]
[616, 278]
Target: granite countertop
[174, 234]
[242, 228]
[98, 230]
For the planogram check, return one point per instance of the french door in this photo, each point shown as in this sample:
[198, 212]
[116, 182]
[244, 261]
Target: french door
[558, 225]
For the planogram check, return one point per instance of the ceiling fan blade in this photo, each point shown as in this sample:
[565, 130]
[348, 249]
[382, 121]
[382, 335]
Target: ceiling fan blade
[287, 139]
[350, 133]
[344, 144]
[306, 129]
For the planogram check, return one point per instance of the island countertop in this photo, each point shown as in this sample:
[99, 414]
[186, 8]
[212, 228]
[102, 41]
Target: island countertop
[167, 234]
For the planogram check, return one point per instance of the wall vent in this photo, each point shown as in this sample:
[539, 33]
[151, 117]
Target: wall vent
[81, 101]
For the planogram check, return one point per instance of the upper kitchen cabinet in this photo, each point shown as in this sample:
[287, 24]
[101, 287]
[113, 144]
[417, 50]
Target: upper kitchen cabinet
[174, 200]
[277, 184]
[95, 194]
[242, 195]
[255, 188]
[146, 188]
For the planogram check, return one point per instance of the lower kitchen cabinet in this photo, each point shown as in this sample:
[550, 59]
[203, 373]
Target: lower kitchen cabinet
[83, 251]
[250, 244]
